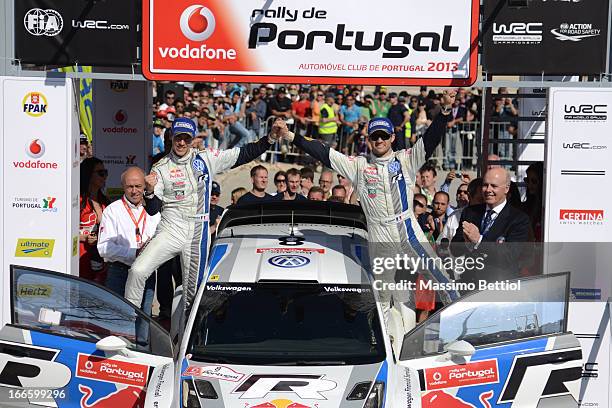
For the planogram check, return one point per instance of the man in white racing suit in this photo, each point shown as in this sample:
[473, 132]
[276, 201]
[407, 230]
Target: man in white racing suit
[179, 186]
[384, 185]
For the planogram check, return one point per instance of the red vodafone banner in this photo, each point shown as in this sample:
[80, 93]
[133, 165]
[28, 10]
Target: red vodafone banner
[402, 42]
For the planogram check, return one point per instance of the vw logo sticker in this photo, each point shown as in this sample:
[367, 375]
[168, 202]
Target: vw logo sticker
[289, 261]
[198, 164]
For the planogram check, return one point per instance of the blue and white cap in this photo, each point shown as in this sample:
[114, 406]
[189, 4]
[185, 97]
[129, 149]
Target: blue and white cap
[382, 124]
[183, 126]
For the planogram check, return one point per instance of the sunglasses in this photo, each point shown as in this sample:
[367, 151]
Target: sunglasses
[379, 135]
[279, 181]
[102, 173]
[418, 204]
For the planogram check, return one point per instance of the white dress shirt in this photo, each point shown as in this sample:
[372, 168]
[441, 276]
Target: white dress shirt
[452, 223]
[117, 234]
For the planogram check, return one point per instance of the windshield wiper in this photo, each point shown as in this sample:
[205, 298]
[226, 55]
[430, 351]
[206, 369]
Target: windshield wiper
[308, 363]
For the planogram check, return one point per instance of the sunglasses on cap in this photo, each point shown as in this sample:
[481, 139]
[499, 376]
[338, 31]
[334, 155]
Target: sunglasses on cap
[379, 135]
[419, 204]
[102, 173]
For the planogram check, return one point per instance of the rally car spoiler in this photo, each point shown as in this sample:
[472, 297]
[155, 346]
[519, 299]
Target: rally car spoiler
[294, 212]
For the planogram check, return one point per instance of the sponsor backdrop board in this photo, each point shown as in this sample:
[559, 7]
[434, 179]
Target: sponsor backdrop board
[577, 229]
[545, 37]
[122, 128]
[40, 164]
[69, 32]
[301, 42]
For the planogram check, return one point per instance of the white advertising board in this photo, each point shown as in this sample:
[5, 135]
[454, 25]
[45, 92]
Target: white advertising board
[40, 161]
[578, 232]
[123, 131]
[388, 42]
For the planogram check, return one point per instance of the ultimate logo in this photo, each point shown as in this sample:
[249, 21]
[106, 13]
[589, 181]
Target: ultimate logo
[34, 104]
[34, 248]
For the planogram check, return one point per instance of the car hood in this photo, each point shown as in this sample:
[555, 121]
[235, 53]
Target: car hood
[282, 386]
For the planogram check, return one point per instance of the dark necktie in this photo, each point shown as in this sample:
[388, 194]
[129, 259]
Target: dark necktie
[487, 222]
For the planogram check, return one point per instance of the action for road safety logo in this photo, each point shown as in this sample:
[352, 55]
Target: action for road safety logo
[474, 373]
[113, 371]
[34, 248]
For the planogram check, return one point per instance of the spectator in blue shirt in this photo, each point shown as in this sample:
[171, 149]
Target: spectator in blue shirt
[158, 137]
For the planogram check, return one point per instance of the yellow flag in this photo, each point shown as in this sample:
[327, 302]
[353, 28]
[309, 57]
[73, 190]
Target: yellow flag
[85, 100]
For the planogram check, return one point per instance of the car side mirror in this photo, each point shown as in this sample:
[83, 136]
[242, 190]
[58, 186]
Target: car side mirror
[112, 344]
[460, 348]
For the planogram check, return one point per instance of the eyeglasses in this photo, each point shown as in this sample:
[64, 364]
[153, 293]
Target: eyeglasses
[279, 181]
[102, 173]
[379, 135]
[462, 192]
[169, 97]
[325, 182]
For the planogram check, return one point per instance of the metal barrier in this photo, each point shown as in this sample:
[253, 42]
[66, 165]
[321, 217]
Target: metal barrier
[464, 136]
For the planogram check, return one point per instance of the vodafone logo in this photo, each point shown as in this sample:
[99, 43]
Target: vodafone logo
[197, 23]
[35, 149]
[120, 117]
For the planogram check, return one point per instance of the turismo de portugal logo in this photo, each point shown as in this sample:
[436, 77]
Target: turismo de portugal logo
[34, 104]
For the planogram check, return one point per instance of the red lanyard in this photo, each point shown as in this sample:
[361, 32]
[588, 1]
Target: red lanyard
[136, 223]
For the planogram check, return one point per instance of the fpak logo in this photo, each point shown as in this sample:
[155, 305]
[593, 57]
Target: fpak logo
[35, 149]
[575, 32]
[34, 104]
[41, 22]
[586, 113]
[119, 86]
[517, 33]
[34, 248]
[581, 217]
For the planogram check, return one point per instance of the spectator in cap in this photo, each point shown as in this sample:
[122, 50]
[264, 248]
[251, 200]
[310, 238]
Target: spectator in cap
[381, 105]
[280, 106]
[399, 117]
[158, 137]
[259, 178]
[302, 112]
[256, 112]
[350, 115]
[329, 120]
[215, 209]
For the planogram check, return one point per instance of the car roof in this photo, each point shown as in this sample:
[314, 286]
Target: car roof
[282, 252]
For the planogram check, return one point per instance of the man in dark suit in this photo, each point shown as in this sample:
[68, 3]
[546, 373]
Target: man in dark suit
[494, 230]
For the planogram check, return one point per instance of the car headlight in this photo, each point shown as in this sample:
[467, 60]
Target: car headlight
[359, 391]
[376, 397]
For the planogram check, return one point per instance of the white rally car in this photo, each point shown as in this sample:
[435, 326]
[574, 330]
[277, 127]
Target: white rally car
[287, 317]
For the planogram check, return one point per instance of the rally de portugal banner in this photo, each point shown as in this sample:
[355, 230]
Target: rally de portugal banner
[404, 42]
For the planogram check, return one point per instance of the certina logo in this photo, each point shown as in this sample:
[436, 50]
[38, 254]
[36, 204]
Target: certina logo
[581, 217]
[575, 32]
[36, 149]
[34, 104]
[197, 23]
[586, 112]
[289, 261]
[41, 22]
[583, 146]
[517, 33]
[99, 25]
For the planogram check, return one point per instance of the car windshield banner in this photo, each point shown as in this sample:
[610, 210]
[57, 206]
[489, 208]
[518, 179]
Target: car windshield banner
[69, 32]
[545, 37]
[392, 42]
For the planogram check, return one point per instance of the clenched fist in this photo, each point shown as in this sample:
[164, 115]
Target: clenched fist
[150, 182]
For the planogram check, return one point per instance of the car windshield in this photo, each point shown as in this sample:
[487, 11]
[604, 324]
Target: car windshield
[287, 324]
